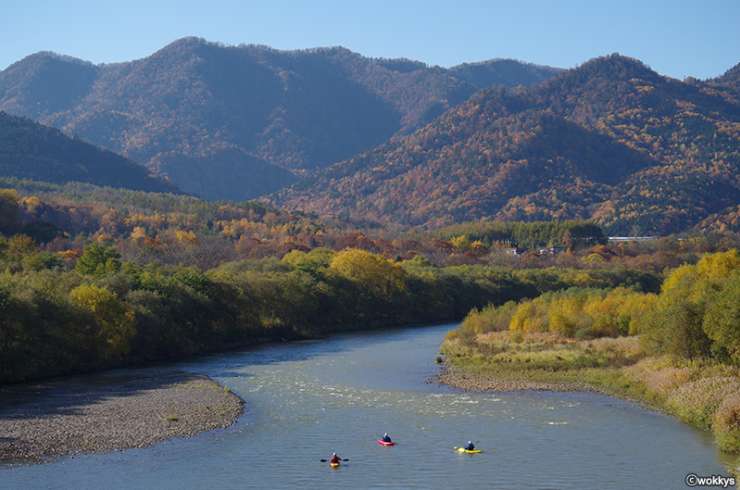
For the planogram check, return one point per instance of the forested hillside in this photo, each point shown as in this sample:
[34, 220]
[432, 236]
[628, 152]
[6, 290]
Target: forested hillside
[31, 151]
[94, 277]
[229, 122]
[611, 140]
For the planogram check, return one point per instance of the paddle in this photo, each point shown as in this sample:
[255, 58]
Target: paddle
[326, 460]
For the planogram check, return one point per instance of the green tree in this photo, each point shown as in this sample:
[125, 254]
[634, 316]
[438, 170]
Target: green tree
[311, 262]
[98, 260]
[675, 327]
[42, 260]
[722, 319]
[8, 210]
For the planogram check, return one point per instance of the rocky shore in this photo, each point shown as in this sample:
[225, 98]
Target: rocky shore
[109, 411]
[481, 382]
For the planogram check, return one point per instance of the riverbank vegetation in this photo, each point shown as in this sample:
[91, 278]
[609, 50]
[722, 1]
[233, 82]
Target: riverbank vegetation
[95, 277]
[678, 350]
[61, 314]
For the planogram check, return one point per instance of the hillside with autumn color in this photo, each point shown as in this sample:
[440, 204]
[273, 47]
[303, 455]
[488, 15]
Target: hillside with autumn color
[234, 122]
[610, 140]
[32, 151]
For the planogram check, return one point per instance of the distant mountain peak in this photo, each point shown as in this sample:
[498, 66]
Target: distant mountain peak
[184, 45]
[732, 76]
[503, 71]
[617, 65]
[41, 57]
[187, 41]
[503, 61]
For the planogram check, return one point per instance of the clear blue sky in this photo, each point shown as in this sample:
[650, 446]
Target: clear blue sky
[675, 37]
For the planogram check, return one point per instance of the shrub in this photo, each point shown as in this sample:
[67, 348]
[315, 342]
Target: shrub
[726, 424]
[490, 318]
[696, 402]
[529, 317]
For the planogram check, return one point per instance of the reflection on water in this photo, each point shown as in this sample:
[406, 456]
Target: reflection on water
[307, 399]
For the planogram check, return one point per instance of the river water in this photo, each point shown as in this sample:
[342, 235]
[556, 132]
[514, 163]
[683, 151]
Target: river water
[306, 399]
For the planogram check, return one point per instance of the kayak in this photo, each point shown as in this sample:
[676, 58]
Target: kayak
[468, 451]
[334, 465]
[387, 444]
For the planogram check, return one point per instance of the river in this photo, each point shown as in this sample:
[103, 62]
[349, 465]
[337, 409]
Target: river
[306, 399]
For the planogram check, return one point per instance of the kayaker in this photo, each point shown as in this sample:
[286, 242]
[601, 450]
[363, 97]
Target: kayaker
[335, 459]
[470, 446]
[386, 438]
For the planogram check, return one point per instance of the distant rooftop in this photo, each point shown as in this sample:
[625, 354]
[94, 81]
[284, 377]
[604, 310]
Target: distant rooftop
[631, 238]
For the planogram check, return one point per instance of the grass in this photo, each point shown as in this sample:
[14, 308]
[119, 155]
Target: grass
[701, 393]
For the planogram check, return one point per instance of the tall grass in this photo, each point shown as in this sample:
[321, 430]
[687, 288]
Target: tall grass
[705, 394]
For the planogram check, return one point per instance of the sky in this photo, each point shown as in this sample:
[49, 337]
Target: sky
[677, 38]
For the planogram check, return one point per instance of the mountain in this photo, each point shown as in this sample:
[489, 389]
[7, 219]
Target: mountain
[239, 121]
[730, 81]
[610, 140]
[29, 150]
[503, 72]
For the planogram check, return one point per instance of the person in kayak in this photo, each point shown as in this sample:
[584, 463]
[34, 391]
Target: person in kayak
[386, 438]
[335, 459]
[470, 446]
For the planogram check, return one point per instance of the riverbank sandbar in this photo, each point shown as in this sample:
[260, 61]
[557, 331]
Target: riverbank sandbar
[109, 411]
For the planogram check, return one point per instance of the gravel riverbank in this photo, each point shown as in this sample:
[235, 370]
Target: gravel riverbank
[480, 382]
[109, 411]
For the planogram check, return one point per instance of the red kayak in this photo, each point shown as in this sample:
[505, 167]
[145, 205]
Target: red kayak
[387, 444]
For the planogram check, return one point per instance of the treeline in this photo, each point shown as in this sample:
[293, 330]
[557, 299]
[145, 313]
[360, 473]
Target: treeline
[182, 230]
[567, 234]
[696, 315]
[60, 314]
[575, 313]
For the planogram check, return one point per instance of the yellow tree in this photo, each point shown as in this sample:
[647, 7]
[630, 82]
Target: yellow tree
[113, 317]
[718, 265]
[138, 233]
[371, 270]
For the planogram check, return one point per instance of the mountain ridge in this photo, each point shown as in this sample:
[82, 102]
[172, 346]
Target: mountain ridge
[481, 159]
[29, 150]
[251, 108]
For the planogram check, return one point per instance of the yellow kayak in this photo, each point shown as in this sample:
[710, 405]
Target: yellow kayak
[334, 465]
[468, 451]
